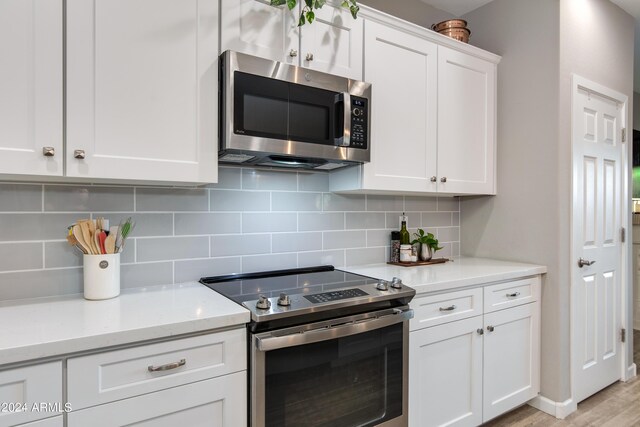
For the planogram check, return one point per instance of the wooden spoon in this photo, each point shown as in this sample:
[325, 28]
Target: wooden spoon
[77, 233]
[86, 235]
[110, 243]
[74, 242]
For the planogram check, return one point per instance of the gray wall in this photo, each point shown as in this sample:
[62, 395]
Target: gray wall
[636, 110]
[411, 10]
[251, 220]
[529, 218]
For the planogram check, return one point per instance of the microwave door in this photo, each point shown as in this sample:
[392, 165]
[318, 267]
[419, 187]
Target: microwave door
[312, 115]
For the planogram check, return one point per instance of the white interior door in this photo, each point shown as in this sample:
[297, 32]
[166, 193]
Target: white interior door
[598, 200]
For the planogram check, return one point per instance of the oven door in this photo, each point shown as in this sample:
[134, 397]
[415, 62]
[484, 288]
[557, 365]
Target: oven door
[345, 372]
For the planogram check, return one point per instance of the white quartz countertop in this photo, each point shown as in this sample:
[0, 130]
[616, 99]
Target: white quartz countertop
[48, 327]
[459, 273]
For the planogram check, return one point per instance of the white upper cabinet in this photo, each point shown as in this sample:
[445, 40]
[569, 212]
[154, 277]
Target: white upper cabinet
[331, 44]
[256, 28]
[31, 87]
[142, 90]
[466, 123]
[402, 70]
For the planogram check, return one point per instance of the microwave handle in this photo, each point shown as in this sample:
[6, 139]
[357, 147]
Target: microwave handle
[345, 139]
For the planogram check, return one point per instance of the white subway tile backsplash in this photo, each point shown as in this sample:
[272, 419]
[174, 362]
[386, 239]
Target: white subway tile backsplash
[321, 221]
[251, 220]
[269, 222]
[344, 239]
[20, 256]
[296, 242]
[171, 248]
[207, 223]
[171, 199]
[20, 198]
[240, 244]
[260, 179]
[290, 201]
[237, 200]
[365, 220]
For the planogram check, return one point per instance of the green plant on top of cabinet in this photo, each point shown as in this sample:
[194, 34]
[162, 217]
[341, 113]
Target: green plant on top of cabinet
[307, 13]
[333, 44]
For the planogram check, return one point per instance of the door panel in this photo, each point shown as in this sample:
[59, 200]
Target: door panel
[597, 220]
[403, 123]
[31, 87]
[142, 89]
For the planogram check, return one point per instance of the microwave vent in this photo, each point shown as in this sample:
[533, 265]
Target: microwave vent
[236, 158]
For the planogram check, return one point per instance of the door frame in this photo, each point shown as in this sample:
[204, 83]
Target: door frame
[627, 368]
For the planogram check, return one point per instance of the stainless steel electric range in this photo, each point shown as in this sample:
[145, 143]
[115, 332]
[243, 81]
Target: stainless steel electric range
[326, 347]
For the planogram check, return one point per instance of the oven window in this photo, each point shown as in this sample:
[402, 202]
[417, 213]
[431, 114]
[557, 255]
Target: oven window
[350, 381]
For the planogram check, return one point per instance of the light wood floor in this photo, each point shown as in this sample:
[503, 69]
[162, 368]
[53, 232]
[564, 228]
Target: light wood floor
[616, 406]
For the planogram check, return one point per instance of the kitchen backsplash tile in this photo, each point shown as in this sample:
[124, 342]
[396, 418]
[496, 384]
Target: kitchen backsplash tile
[20, 197]
[252, 220]
[20, 256]
[78, 198]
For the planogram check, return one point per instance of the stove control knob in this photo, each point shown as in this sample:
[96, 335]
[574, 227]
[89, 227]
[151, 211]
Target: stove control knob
[382, 285]
[396, 283]
[284, 300]
[263, 303]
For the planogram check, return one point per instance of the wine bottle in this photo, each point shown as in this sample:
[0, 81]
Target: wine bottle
[404, 234]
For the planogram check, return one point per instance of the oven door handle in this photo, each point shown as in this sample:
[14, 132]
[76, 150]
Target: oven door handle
[345, 139]
[274, 342]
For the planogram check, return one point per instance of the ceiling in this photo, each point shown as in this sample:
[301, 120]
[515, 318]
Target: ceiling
[632, 7]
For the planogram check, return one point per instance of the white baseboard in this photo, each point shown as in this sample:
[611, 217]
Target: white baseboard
[631, 372]
[559, 410]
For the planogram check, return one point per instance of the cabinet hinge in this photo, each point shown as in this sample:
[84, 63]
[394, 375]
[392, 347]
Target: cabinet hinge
[623, 234]
[623, 335]
[624, 134]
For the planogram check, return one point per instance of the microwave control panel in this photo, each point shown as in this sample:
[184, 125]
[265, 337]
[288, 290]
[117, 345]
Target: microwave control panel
[359, 122]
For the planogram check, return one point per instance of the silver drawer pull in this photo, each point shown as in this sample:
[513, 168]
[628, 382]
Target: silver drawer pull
[513, 295]
[168, 366]
[450, 308]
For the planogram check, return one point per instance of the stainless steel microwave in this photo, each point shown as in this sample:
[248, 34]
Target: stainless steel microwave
[280, 115]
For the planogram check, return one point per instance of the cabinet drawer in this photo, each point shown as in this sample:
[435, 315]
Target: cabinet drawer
[25, 387]
[119, 374]
[218, 402]
[49, 422]
[437, 309]
[511, 294]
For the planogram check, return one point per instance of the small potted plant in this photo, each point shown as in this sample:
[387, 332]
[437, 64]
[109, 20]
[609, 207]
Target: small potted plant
[428, 244]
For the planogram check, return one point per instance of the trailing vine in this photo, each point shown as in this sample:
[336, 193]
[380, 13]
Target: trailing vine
[308, 15]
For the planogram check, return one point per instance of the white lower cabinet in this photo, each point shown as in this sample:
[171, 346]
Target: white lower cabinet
[216, 402]
[468, 371]
[445, 374]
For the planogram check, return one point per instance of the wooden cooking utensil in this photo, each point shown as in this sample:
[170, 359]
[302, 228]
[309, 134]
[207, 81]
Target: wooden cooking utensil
[110, 243]
[88, 238]
[102, 237]
[77, 233]
[74, 242]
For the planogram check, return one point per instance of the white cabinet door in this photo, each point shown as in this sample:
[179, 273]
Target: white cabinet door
[219, 402]
[511, 358]
[445, 375]
[142, 91]
[333, 43]
[31, 87]
[256, 28]
[466, 123]
[402, 70]
[49, 422]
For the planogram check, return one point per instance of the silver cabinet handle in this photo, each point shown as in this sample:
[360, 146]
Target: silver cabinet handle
[443, 179]
[48, 151]
[309, 57]
[480, 331]
[450, 308]
[490, 328]
[293, 53]
[78, 154]
[513, 295]
[434, 179]
[583, 262]
[168, 366]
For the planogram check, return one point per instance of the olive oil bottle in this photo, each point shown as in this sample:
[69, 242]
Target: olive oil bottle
[404, 234]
